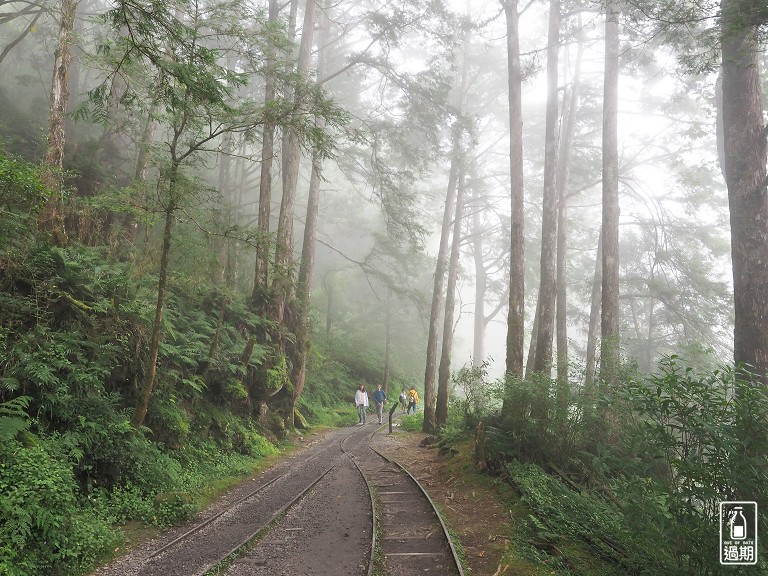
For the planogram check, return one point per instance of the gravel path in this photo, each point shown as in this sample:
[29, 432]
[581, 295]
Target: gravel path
[328, 533]
[310, 515]
[196, 554]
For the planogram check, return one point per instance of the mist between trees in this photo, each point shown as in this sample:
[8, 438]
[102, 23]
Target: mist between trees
[224, 215]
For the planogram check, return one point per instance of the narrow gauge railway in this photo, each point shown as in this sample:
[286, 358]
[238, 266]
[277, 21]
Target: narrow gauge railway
[414, 540]
[314, 514]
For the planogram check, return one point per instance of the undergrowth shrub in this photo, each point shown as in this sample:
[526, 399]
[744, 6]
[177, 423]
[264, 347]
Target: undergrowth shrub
[650, 462]
[22, 196]
[689, 441]
[42, 528]
[412, 422]
[565, 523]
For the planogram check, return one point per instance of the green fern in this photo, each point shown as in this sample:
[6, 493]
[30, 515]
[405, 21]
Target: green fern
[14, 417]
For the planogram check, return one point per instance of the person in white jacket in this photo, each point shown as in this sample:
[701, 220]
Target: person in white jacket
[361, 401]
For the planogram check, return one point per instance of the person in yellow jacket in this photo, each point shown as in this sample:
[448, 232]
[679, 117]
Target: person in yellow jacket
[413, 400]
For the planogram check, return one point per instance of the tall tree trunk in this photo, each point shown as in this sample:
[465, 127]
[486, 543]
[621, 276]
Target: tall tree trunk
[478, 344]
[547, 287]
[444, 371]
[563, 188]
[233, 245]
[261, 265]
[218, 242]
[145, 393]
[516, 318]
[387, 341]
[328, 288]
[437, 288]
[141, 171]
[745, 176]
[609, 321]
[306, 268]
[282, 283]
[51, 219]
[593, 331]
[530, 361]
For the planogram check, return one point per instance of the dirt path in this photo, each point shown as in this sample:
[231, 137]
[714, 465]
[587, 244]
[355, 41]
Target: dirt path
[328, 531]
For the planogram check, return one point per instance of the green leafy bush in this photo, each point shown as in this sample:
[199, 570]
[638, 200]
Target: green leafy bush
[42, 529]
[412, 422]
[22, 195]
[654, 460]
[567, 523]
[689, 441]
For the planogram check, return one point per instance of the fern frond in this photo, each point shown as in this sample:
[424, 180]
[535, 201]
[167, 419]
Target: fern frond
[14, 417]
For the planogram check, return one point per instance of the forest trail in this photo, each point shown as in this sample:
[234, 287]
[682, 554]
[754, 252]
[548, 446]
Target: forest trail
[329, 528]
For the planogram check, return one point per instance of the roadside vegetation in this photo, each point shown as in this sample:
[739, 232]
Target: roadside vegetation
[219, 218]
[627, 481]
[77, 478]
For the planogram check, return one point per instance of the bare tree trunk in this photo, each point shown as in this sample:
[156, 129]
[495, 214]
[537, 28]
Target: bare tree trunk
[233, 245]
[141, 171]
[306, 268]
[745, 171]
[478, 344]
[219, 243]
[437, 288]
[516, 318]
[51, 219]
[282, 283]
[444, 371]
[529, 363]
[563, 188]
[162, 283]
[609, 322]
[593, 332]
[328, 288]
[261, 265]
[547, 287]
[303, 285]
[387, 341]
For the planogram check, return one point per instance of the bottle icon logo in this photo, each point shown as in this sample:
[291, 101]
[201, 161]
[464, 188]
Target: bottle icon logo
[738, 524]
[738, 533]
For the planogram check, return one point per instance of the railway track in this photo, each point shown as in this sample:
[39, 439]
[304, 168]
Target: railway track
[414, 538]
[340, 508]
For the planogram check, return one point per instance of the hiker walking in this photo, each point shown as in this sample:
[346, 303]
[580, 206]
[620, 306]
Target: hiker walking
[413, 399]
[379, 397]
[403, 399]
[361, 401]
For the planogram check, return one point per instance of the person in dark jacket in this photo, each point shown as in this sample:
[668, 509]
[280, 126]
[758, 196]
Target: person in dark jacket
[379, 397]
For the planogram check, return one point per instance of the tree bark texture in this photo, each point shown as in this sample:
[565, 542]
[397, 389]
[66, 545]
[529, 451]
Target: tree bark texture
[261, 265]
[547, 279]
[444, 370]
[593, 331]
[745, 172]
[437, 288]
[478, 343]
[219, 243]
[563, 189]
[51, 218]
[162, 283]
[307, 265]
[609, 321]
[282, 283]
[516, 318]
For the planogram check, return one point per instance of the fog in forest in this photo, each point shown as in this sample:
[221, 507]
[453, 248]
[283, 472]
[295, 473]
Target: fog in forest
[220, 220]
[393, 105]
